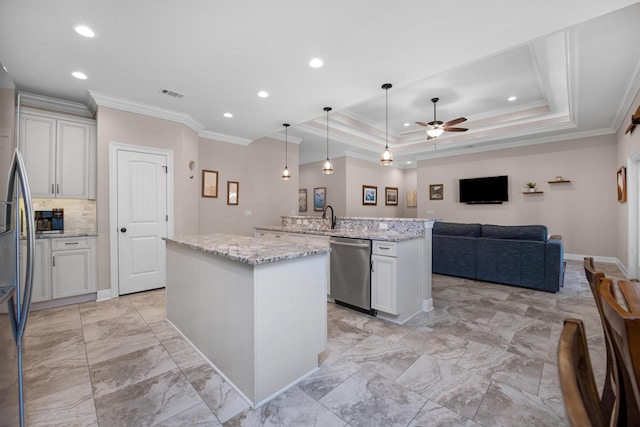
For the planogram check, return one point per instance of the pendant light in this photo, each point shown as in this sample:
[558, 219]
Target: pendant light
[327, 167]
[386, 158]
[286, 176]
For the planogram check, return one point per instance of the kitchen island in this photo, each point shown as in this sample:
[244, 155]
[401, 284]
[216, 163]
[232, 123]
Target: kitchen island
[256, 309]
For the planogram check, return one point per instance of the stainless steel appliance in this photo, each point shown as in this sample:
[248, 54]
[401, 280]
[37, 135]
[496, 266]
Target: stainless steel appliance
[49, 221]
[15, 298]
[351, 273]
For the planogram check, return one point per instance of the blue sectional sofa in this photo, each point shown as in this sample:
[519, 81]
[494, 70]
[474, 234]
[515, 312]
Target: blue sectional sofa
[520, 255]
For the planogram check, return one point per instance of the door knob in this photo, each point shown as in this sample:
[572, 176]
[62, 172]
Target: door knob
[124, 230]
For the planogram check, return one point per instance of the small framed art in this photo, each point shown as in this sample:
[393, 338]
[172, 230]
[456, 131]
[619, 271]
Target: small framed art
[302, 200]
[319, 198]
[369, 195]
[391, 196]
[621, 178]
[436, 192]
[209, 183]
[233, 190]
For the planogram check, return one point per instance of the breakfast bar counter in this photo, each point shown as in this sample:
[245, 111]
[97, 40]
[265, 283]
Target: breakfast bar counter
[256, 309]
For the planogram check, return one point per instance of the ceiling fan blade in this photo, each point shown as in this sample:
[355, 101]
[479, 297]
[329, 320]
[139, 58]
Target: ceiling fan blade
[422, 124]
[455, 121]
[630, 128]
[446, 129]
[430, 137]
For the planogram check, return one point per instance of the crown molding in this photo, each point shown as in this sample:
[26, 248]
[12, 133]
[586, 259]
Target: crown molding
[291, 139]
[632, 90]
[215, 136]
[42, 102]
[109, 101]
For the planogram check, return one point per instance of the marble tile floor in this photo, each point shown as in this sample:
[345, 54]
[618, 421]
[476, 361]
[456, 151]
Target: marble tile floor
[485, 356]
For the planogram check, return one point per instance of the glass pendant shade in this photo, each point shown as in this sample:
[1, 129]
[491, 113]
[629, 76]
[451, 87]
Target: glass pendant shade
[286, 176]
[327, 167]
[386, 158]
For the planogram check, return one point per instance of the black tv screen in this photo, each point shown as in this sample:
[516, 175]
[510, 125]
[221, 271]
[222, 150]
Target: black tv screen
[491, 189]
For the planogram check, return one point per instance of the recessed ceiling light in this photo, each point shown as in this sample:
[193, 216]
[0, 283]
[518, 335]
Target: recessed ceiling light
[228, 115]
[263, 94]
[407, 124]
[79, 75]
[316, 63]
[512, 98]
[85, 31]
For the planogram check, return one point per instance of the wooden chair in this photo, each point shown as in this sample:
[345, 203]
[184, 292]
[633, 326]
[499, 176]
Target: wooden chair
[611, 382]
[624, 327]
[577, 383]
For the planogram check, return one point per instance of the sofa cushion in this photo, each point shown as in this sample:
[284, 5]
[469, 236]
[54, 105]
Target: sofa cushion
[455, 229]
[515, 232]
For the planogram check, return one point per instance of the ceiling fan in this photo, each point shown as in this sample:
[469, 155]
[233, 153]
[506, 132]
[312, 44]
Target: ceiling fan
[436, 127]
[635, 121]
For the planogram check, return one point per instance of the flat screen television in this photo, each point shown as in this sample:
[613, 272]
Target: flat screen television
[486, 190]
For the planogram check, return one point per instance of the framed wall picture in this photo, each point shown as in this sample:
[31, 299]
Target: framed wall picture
[319, 198]
[412, 199]
[436, 192]
[209, 183]
[391, 196]
[233, 189]
[369, 195]
[621, 178]
[302, 200]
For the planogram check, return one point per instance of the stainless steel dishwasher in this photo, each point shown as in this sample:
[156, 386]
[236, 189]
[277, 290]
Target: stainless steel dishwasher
[351, 273]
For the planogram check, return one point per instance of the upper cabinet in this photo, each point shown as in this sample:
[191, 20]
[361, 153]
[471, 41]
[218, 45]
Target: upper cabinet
[59, 153]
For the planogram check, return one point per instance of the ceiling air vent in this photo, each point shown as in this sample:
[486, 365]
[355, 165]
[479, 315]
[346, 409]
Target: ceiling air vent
[171, 93]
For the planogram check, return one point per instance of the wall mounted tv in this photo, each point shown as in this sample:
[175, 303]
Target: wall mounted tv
[487, 190]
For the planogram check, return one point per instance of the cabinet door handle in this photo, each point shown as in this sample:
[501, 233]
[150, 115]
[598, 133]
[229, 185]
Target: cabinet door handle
[71, 243]
[54, 260]
[58, 188]
[53, 190]
[372, 265]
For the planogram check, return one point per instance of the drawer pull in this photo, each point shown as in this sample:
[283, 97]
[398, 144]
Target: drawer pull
[385, 248]
[71, 243]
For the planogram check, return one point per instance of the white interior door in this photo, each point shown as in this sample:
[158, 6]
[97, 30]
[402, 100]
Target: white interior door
[142, 221]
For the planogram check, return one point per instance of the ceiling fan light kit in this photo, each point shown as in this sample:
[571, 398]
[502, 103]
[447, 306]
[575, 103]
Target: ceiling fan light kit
[386, 159]
[436, 128]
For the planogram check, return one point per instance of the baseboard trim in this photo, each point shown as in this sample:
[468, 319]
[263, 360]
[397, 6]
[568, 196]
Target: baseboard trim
[427, 304]
[59, 302]
[103, 295]
[607, 259]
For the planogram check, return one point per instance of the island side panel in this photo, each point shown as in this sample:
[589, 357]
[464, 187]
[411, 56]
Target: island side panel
[290, 321]
[210, 300]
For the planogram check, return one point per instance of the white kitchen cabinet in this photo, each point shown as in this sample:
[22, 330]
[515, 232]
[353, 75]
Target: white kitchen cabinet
[384, 283]
[41, 290]
[59, 155]
[72, 267]
[271, 235]
[396, 285]
[297, 238]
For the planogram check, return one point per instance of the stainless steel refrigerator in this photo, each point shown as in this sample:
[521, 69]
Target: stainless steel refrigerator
[15, 297]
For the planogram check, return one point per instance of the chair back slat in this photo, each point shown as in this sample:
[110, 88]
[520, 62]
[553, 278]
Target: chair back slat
[577, 383]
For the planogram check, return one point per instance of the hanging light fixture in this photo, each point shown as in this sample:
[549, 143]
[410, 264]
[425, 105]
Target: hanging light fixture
[386, 158]
[327, 167]
[286, 176]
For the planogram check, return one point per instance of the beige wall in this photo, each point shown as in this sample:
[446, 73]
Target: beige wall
[344, 187]
[135, 129]
[583, 211]
[628, 147]
[263, 196]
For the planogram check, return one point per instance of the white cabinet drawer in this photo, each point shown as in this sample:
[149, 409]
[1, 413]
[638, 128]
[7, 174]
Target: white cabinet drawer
[262, 234]
[279, 236]
[63, 244]
[384, 248]
[297, 238]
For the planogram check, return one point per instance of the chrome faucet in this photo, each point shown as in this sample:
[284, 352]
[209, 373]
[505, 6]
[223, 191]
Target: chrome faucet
[333, 218]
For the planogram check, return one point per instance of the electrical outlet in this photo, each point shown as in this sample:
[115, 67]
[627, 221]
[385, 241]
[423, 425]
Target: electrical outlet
[430, 211]
[248, 213]
[383, 226]
[299, 221]
[305, 222]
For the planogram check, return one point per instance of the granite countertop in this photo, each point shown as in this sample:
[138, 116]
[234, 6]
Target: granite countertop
[248, 250]
[70, 233]
[385, 235]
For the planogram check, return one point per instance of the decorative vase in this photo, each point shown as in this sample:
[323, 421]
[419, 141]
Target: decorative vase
[532, 189]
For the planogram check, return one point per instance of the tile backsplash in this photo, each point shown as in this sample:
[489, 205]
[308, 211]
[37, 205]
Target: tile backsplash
[79, 214]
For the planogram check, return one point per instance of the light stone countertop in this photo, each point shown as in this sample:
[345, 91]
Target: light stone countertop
[248, 250]
[66, 234]
[386, 235]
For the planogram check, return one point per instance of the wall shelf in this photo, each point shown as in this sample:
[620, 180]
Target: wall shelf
[532, 192]
[561, 181]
